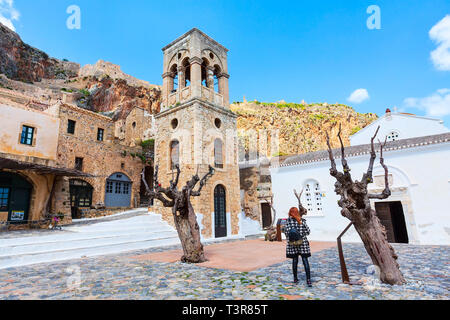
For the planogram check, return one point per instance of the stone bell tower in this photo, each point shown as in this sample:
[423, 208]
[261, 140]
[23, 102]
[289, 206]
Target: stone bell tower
[196, 129]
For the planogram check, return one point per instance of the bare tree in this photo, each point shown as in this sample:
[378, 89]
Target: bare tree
[355, 204]
[184, 215]
[302, 209]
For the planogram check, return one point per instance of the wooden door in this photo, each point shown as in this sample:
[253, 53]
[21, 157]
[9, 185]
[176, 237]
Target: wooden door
[384, 213]
[266, 215]
[220, 213]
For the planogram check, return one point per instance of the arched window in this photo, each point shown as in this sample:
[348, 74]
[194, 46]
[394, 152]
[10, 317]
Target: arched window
[393, 136]
[313, 198]
[187, 72]
[205, 66]
[174, 154]
[174, 71]
[218, 153]
[217, 72]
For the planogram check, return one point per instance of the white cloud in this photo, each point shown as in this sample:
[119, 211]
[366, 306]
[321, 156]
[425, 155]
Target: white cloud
[359, 96]
[436, 105]
[440, 34]
[8, 13]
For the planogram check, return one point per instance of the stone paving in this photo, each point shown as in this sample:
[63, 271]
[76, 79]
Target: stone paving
[426, 269]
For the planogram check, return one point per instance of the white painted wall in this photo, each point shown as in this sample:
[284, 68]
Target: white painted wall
[46, 132]
[423, 172]
[408, 126]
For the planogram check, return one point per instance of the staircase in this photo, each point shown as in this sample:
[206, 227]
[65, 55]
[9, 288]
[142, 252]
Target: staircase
[76, 241]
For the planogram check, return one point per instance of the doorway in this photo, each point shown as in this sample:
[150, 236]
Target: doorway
[266, 212]
[145, 200]
[15, 196]
[118, 191]
[392, 217]
[220, 214]
[80, 196]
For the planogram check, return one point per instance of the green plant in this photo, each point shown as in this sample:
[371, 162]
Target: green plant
[85, 92]
[355, 130]
[148, 144]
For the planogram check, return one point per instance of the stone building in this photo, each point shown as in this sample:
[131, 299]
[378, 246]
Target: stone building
[196, 129]
[110, 151]
[64, 159]
[30, 176]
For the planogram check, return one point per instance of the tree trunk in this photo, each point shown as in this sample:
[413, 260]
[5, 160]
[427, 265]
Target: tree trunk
[373, 235]
[189, 234]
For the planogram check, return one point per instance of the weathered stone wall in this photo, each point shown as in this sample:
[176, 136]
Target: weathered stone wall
[100, 158]
[61, 199]
[196, 133]
[256, 183]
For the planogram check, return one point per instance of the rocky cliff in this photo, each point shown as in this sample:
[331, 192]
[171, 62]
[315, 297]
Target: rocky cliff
[101, 87]
[19, 61]
[302, 127]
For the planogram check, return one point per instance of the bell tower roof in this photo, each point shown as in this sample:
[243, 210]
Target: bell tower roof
[194, 31]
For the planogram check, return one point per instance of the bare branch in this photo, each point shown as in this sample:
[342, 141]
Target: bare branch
[344, 161]
[302, 209]
[368, 178]
[173, 184]
[386, 192]
[203, 181]
[333, 170]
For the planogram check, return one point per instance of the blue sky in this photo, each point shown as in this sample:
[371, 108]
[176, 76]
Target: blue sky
[317, 51]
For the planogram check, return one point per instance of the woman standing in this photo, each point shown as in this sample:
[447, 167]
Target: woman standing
[301, 247]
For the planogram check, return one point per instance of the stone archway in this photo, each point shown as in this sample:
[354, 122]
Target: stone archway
[15, 198]
[118, 191]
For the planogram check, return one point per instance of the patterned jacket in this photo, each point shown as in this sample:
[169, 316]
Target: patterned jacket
[304, 249]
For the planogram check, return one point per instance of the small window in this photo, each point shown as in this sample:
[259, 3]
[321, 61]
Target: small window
[4, 197]
[174, 123]
[218, 123]
[126, 188]
[79, 164]
[118, 188]
[27, 135]
[71, 127]
[109, 187]
[218, 154]
[100, 134]
[393, 136]
[313, 197]
[174, 154]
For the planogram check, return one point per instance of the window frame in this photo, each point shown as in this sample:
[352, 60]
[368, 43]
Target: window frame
[312, 204]
[100, 134]
[171, 154]
[81, 164]
[24, 139]
[71, 128]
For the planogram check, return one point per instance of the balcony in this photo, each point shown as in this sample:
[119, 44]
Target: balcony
[185, 94]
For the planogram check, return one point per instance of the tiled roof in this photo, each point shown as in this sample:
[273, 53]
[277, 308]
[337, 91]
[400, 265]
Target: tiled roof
[359, 150]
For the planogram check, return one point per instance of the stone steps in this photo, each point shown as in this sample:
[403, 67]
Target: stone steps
[78, 241]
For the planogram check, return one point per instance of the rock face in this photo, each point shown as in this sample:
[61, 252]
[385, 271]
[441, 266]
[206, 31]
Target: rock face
[302, 127]
[117, 98]
[19, 61]
[104, 68]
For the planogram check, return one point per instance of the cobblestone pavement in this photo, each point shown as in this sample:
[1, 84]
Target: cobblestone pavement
[426, 269]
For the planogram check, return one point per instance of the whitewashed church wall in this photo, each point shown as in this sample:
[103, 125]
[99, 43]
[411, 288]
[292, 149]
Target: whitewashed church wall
[406, 126]
[421, 180]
